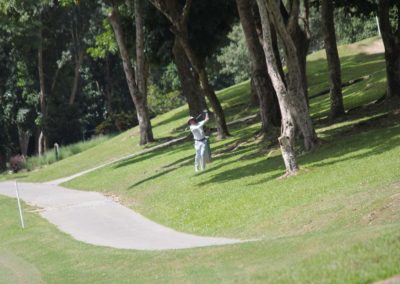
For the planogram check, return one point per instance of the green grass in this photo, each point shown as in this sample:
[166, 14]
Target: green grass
[338, 221]
[350, 255]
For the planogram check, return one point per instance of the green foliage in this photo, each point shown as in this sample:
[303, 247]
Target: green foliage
[234, 57]
[104, 43]
[351, 29]
[116, 122]
[169, 80]
[160, 102]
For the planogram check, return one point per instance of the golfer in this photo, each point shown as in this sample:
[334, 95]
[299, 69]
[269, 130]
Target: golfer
[200, 141]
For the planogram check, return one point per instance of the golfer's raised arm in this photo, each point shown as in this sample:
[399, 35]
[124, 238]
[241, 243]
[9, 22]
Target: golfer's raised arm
[207, 117]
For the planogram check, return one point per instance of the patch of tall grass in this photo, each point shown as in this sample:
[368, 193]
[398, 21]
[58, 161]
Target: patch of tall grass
[49, 157]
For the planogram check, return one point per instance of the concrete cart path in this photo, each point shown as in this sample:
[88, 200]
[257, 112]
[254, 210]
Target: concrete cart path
[93, 218]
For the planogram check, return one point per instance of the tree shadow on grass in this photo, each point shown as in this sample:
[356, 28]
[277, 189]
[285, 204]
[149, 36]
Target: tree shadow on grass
[167, 169]
[160, 174]
[385, 140]
[375, 140]
[140, 157]
[246, 171]
[152, 154]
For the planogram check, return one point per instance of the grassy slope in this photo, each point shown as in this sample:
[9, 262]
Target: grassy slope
[336, 222]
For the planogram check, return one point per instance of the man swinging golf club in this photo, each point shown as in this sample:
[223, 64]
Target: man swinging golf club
[200, 140]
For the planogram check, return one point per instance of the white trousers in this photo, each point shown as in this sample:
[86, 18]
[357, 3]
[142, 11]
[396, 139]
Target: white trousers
[199, 161]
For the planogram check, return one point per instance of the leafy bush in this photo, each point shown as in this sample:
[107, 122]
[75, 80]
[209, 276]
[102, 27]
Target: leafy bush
[17, 163]
[160, 102]
[234, 57]
[117, 122]
[49, 157]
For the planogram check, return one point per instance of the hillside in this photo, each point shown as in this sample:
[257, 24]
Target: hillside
[336, 222]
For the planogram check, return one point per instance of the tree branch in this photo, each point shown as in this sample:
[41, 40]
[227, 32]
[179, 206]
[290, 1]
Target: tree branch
[159, 4]
[186, 11]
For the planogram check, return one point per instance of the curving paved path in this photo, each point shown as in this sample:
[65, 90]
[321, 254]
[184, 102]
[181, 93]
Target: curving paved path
[92, 218]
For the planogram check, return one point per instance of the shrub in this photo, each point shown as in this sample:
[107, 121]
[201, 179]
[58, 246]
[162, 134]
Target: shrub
[160, 102]
[17, 163]
[116, 122]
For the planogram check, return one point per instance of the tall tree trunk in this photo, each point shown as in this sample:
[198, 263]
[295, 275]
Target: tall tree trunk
[23, 138]
[190, 83]
[146, 133]
[287, 138]
[42, 142]
[391, 41]
[302, 43]
[275, 46]
[222, 128]
[291, 97]
[108, 90]
[269, 107]
[295, 83]
[141, 72]
[75, 83]
[332, 55]
[180, 28]
[139, 99]
[298, 29]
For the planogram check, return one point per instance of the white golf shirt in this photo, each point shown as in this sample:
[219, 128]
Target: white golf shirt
[198, 131]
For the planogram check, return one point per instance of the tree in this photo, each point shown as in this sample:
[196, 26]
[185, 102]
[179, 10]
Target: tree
[388, 12]
[234, 57]
[296, 19]
[332, 54]
[391, 40]
[269, 108]
[179, 21]
[291, 96]
[138, 97]
[42, 140]
[189, 81]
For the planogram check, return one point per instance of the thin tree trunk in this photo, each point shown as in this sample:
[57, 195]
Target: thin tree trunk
[222, 128]
[295, 84]
[42, 142]
[332, 55]
[275, 46]
[254, 101]
[189, 82]
[139, 99]
[180, 28]
[299, 34]
[302, 42]
[23, 138]
[141, 73]
[41, 149]
[108, 90]
[146, 133]
[287, 138]
[391, 42]
[75, 83]
[269, 107]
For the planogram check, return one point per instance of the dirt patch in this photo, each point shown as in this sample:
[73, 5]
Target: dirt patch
[393, 280]
[390, 211]
[375, 47]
